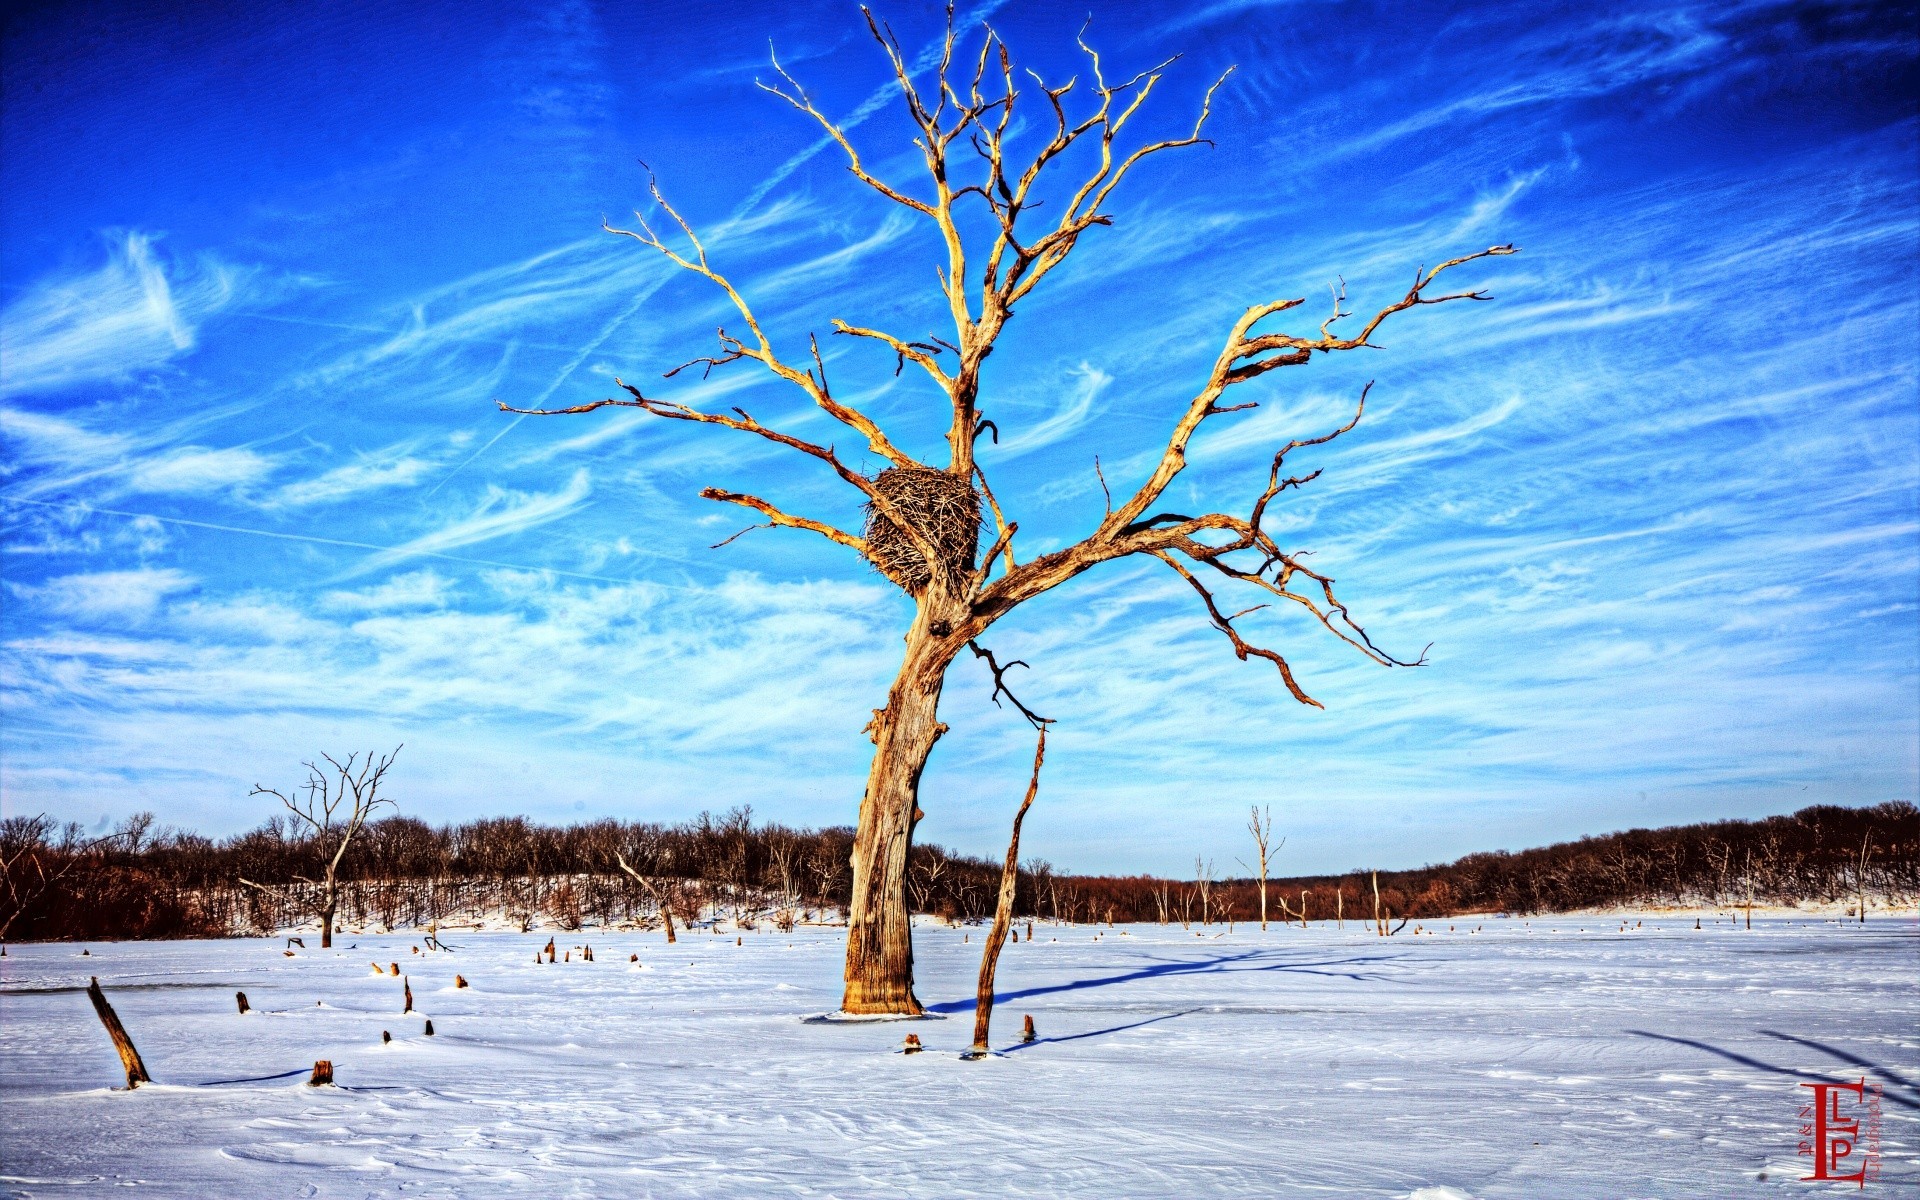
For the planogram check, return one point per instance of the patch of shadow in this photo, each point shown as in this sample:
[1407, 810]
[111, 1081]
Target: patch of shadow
[1756, 1064]
[934, 1012]
[255, 1078]
[1865, 1064]
[112, 987]
[1093, 1033]
[1222, 964]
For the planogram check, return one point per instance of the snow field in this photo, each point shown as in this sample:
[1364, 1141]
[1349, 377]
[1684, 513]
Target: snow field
[1556, 1058]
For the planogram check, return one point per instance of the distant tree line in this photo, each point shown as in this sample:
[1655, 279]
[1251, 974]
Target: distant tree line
[144, 882]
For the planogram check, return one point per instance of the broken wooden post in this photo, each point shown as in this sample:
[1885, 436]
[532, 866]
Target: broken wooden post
[322, 1073]
[242, 998]
[1026, 1029]
[129, 1057]
[1003, 909]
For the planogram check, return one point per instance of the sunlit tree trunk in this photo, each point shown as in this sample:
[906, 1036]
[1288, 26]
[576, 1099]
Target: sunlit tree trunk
[879, 972]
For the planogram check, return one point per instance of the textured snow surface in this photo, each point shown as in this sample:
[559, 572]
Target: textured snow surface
[1534, 1059]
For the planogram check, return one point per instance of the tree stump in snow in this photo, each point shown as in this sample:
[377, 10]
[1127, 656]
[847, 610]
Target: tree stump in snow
[408, 985]
[429, 1027]
[394, 968]
[913, 1045]
[1026, 1028]
[241, 998]
[129, 1057]
[459, 981]
[385, 1037]
[322, 1073]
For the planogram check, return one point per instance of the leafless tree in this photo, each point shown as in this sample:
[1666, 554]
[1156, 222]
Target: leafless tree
[33, 861]
[1203, 884]
[334, 804]
[1010, 197]
[647, 845]
[1260, 824]
[1003, 911]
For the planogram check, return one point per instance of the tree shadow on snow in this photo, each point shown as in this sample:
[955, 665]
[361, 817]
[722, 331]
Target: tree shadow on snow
[1885, 1074]
[1790, 1072]
[1092, 1033]
[1222, 964]
[257, 1078]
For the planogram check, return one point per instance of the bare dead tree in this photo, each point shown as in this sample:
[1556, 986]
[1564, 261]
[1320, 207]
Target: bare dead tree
[33, 861]
[334, 803]
[1203, 884]
[1010, 199]
[1260, 825]
[1003, 912]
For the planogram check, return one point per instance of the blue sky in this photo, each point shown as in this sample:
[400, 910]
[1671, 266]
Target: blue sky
[266, 269]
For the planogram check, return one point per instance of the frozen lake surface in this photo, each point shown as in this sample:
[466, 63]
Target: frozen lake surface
[1549, 1058]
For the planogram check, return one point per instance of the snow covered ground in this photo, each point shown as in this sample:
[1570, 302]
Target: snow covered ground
[1544, 1058]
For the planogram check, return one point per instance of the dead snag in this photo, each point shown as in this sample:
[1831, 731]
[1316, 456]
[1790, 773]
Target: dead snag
[129, 1057]
[241, 997]
[1003, 913]
[660, 898]
[408, 985]
[322, 1073]
[333, 805]
[923, 518]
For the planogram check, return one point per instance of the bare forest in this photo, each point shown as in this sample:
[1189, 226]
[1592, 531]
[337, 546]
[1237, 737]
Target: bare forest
[725, 870]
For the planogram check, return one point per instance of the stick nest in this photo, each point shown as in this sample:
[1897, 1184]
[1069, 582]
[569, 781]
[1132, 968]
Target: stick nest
[943, 508]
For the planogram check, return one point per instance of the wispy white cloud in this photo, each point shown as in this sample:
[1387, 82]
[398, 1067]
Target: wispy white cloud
[198, 470]
[396, 466]
[136, 312]
[109, 595]
[499, 514]
[1086, 384]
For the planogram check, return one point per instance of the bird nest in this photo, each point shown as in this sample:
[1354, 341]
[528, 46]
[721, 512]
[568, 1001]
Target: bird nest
[943, 508]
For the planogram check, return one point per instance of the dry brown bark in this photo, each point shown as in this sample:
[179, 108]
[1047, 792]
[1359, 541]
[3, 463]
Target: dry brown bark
[129, 1057]
[1003, 911]
[964, 120]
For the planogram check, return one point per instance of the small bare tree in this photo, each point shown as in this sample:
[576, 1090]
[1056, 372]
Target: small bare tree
[1009, 199]
[333, 804]
[650, 847]
[1260, 824]
[1203, 883]
[33, 861]
[1003, 911]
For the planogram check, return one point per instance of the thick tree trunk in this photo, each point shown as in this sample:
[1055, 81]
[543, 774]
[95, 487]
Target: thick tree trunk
[326, 920]
[879, 972]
